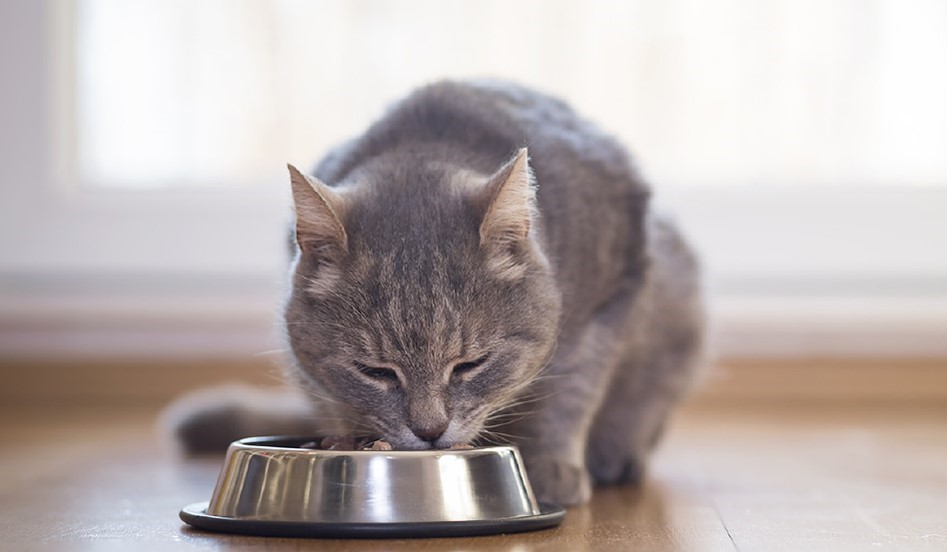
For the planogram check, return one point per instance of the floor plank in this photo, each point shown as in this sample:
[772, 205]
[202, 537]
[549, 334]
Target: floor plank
[790, 477]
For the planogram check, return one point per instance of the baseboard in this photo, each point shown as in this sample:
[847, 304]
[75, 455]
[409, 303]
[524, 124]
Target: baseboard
[816, 379]
[731, 381]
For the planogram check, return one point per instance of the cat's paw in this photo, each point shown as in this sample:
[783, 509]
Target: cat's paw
[616, 469]
[560, 482]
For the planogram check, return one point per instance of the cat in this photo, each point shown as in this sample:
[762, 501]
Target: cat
[481, 263]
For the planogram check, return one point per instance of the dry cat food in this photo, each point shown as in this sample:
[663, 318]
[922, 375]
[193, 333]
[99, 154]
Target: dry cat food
[351, 442]
[380, 444]
[347, 442]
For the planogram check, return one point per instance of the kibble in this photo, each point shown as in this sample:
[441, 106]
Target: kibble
[351, 442]
[380, 444]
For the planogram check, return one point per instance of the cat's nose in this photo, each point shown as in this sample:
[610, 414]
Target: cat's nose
[432, 433]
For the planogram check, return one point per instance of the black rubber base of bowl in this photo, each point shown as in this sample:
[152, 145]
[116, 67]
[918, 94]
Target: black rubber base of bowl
[196, 515]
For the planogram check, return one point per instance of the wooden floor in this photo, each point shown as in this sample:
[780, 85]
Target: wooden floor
[791, 477]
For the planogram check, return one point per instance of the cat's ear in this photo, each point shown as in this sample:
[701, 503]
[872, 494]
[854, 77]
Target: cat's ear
[510, 198]
[511, 202]
[319, 228]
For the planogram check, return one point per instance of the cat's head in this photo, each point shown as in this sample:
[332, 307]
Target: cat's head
[421, 298]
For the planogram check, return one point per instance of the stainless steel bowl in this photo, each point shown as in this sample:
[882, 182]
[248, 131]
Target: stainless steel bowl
[270, 486]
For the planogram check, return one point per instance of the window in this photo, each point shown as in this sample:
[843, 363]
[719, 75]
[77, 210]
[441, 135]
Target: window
[800, 142]
[217, 92]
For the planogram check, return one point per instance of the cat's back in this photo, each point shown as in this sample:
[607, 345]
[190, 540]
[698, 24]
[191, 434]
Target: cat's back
[484, 122]
[590, 196]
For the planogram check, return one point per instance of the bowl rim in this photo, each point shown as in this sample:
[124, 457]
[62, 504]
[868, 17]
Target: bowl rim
[259, 443]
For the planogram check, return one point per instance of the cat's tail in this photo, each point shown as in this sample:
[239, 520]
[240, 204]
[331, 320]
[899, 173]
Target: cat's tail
[209, 419]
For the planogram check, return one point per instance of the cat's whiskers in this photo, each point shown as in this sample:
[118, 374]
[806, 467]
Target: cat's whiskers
[509, 413]
[505, 437]
[314, 389]
[513, 400]
[497, 437]
[320, 395]
[276, 375]
[524, 400]
[271, 352]
[517, 391]
[505, 422]
[506, 419]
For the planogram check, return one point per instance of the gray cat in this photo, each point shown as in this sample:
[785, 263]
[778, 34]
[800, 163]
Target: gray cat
[450, 285]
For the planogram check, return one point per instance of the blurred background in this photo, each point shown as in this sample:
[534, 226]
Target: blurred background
[144, 200]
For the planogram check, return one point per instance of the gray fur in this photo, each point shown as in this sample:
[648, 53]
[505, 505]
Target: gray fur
[585, 303]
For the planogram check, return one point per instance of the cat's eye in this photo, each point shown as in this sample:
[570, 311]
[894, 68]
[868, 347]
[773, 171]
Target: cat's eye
[378, 373]
[469, 366]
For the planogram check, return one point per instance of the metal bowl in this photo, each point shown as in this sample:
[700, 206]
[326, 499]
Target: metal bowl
[269, 486]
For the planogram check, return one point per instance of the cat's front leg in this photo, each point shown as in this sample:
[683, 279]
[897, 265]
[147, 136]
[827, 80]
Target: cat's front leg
[563, 403]
[553, 440]
[558, 480]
